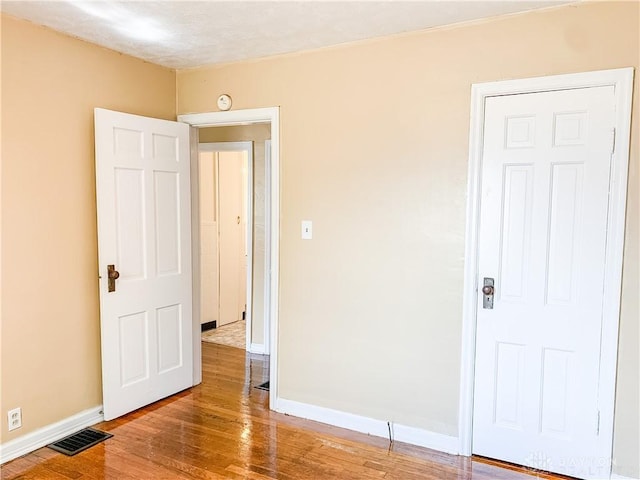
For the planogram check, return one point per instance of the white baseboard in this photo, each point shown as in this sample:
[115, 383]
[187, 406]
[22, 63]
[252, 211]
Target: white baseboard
[615, 476]
[257, 348]
[371, 426]
[43, 436]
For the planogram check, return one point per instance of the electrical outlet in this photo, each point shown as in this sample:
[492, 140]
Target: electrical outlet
[15, 418]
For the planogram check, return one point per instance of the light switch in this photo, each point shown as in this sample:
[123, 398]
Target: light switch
[307, 233]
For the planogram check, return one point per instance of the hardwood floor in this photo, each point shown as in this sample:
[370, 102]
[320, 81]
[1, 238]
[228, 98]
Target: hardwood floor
[223, 429]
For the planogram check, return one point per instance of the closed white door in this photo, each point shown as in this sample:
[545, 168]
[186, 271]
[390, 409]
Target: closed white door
[144, 233]
[208, 238]
[546, 161]
[231, 238]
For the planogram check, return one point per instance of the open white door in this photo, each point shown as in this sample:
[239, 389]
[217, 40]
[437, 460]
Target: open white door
[144, 229]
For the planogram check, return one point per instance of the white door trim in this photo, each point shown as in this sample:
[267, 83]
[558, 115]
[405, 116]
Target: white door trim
[622, 81]
[267, 247]
[269, 115]
[240, 147]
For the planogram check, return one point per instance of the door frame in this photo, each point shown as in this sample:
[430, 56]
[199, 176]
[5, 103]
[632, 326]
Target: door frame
[267, 248]
[622, 81]
[241, 146]
[270, 115]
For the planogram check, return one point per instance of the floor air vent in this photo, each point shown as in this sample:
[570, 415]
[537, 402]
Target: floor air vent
[79, 441]
[263, 386]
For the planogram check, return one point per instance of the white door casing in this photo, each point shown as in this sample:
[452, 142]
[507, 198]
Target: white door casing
[267, 245]
[144, 229]
[270, 115]
[545, 213]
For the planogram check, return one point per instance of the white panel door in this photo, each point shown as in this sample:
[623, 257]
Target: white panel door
[231, 238]
[208, 239]
[144, 230]
[545, 180]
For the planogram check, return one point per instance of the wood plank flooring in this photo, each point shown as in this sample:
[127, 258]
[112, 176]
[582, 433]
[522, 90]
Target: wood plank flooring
[223, 429]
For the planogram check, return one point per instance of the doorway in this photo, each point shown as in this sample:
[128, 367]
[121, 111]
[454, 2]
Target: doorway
[227, 236]
[201, 121]
[544, 258]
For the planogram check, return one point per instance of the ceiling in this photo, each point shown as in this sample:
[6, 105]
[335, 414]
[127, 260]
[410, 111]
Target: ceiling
[186, 34]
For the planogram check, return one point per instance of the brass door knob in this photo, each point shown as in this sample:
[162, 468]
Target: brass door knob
[488, 290]
[112, 276]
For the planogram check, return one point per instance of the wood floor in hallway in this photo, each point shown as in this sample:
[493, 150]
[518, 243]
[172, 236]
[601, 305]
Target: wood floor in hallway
[223, 429]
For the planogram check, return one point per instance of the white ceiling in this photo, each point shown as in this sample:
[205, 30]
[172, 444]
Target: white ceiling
[186, 34]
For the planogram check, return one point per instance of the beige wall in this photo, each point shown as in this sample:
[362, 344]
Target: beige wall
[374, 149]
[257, 134]
[50, 351]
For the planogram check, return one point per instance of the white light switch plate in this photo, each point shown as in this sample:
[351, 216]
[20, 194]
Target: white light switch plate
[307, 232]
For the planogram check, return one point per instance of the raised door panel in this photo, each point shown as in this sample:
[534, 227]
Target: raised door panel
[167, 217]
[130, 222]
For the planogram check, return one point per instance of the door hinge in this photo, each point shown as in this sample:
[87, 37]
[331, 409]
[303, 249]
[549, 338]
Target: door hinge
[613, 140]
[598, 424]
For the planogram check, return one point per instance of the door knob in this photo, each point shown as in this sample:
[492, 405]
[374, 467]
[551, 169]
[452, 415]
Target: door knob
[112, 276]
[488, 290]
